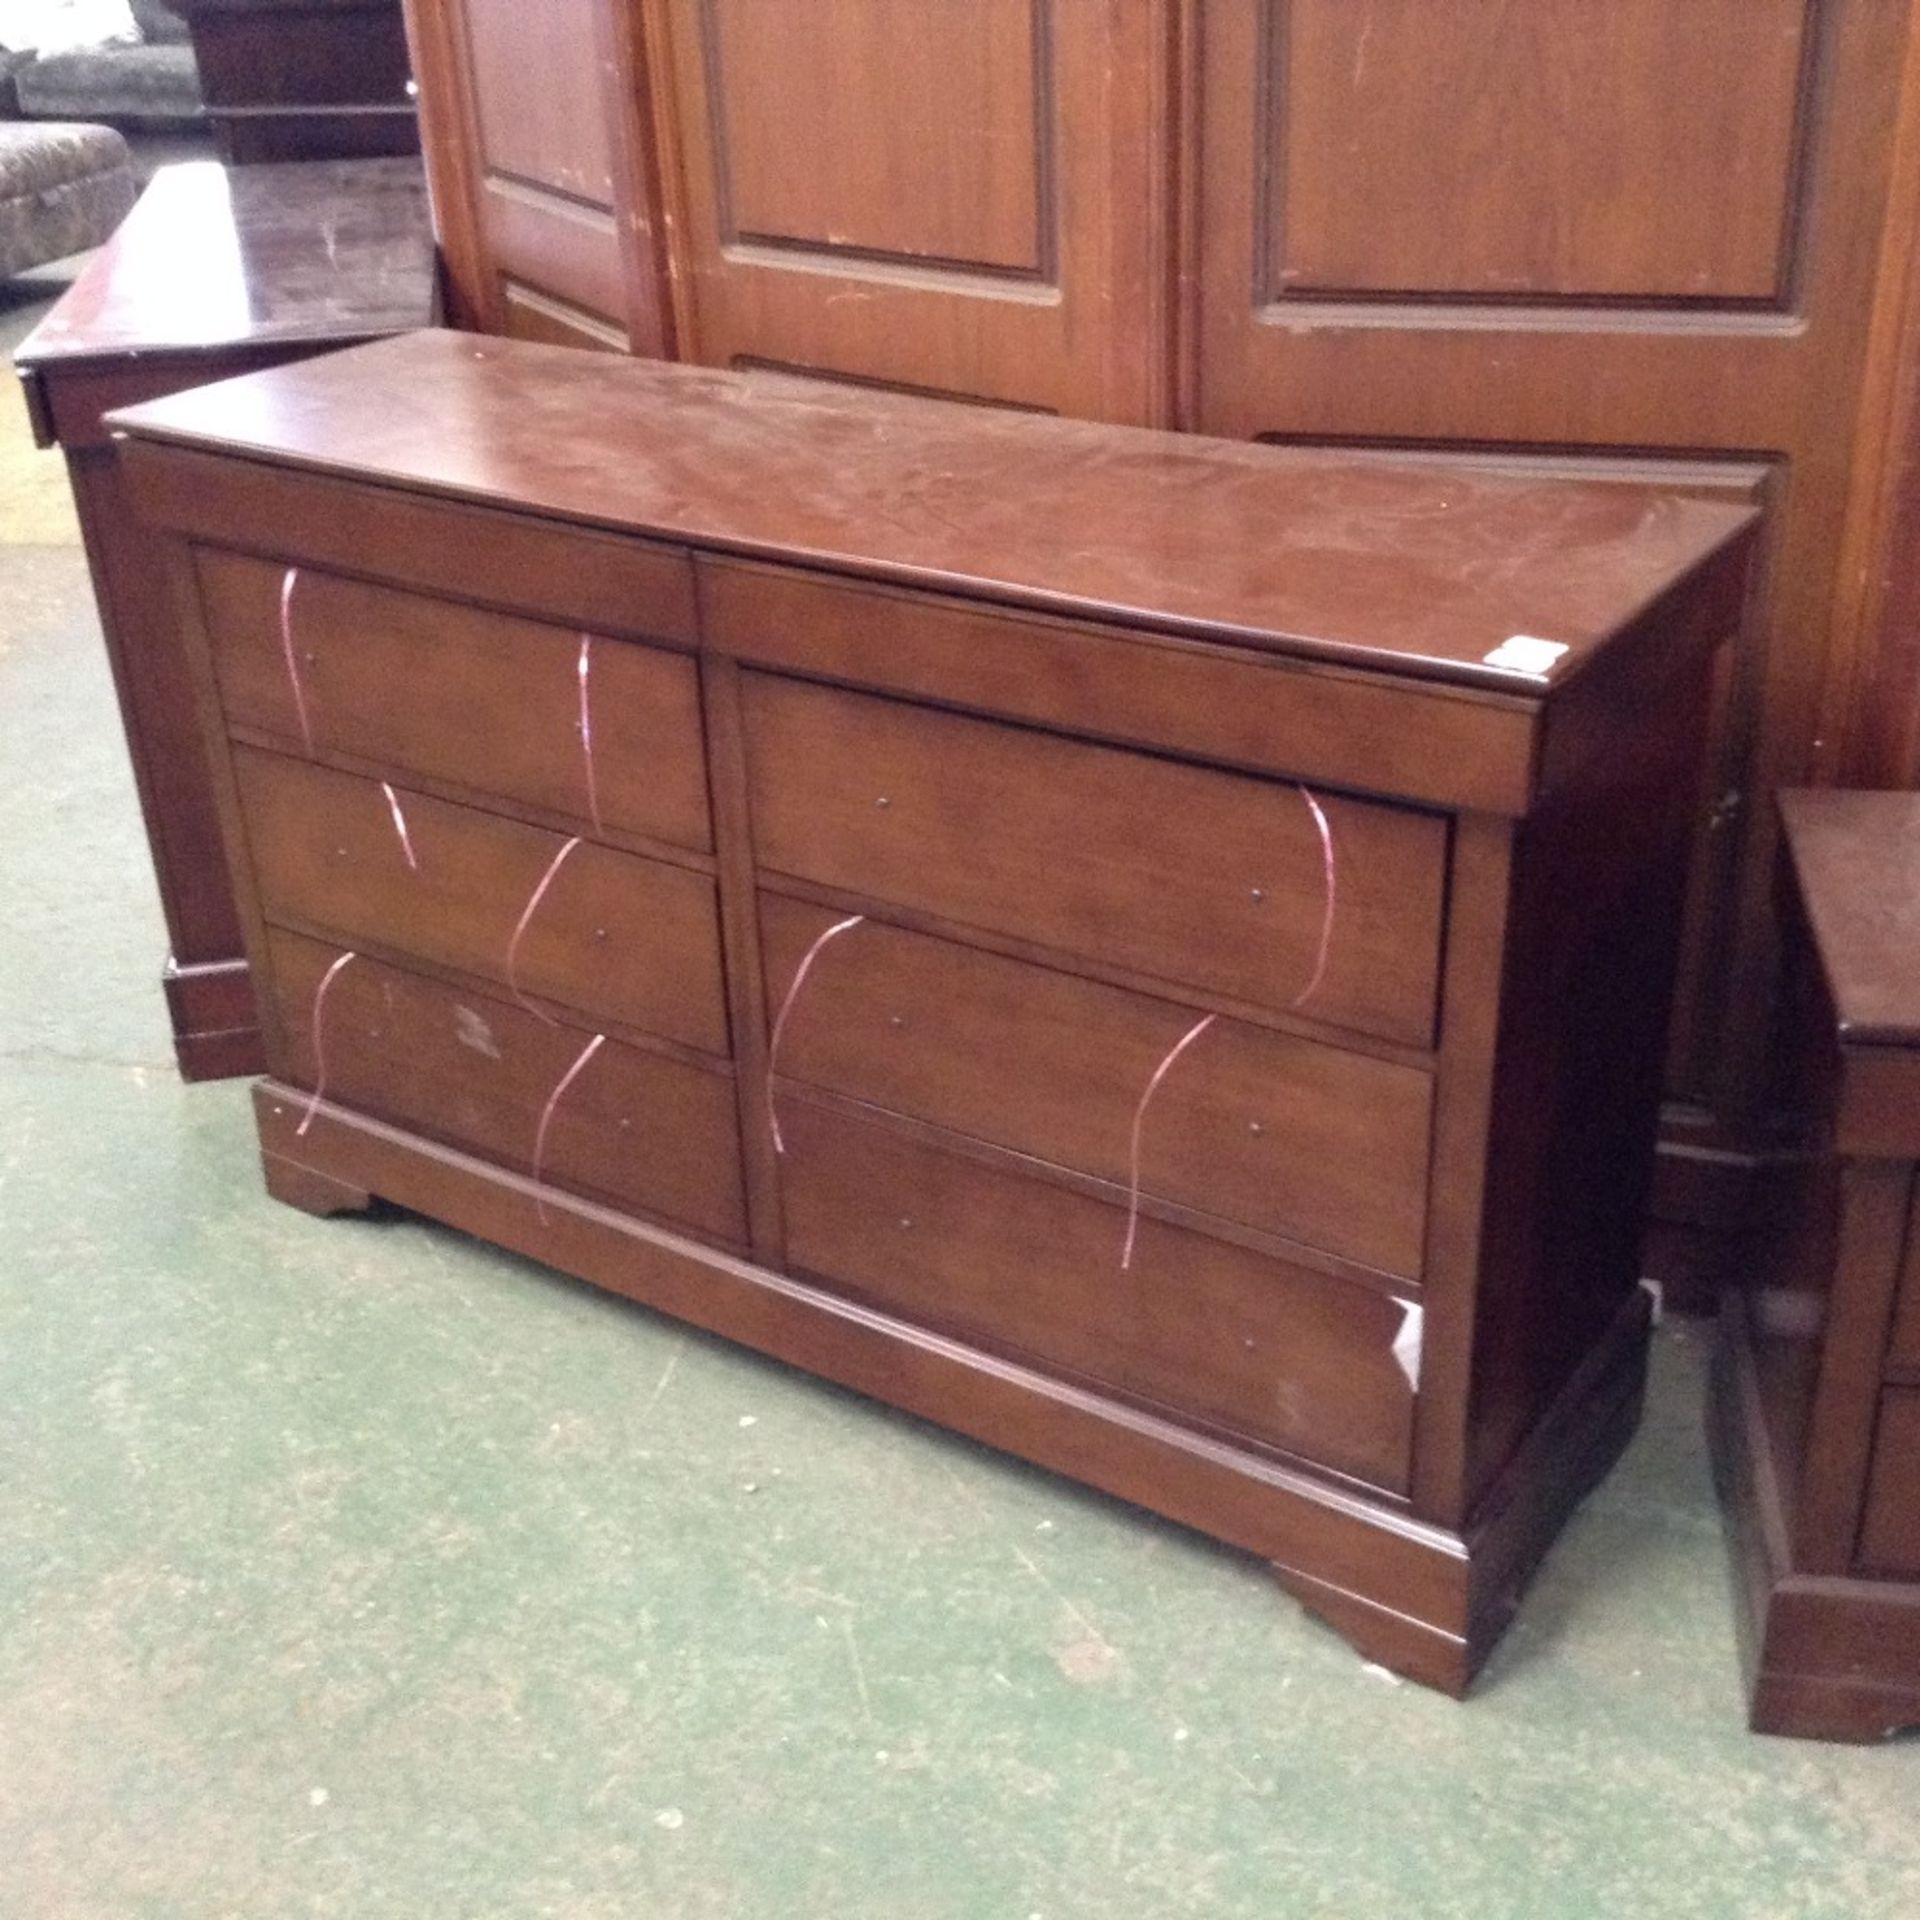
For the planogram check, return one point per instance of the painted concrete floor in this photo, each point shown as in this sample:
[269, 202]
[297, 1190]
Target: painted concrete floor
[356, 1569]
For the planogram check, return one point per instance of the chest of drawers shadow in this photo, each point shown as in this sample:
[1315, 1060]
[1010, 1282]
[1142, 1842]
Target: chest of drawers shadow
[1150, 952]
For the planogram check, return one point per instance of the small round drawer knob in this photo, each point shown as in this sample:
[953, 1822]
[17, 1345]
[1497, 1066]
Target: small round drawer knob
[1259, 896]
[904, 1224]
[1254, 1127]
[883, 802]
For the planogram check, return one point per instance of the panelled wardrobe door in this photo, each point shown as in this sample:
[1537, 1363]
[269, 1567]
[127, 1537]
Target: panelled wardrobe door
[966, 197]
[537, 156]
[1611, 238]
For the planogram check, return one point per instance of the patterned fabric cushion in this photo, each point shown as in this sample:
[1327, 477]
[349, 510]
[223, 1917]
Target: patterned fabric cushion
[111, 83]
[51, 154]
[62, 189]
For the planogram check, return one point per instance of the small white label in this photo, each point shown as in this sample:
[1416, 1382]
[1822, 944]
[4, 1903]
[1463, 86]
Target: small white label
[1409, 1340]
[1524, 654]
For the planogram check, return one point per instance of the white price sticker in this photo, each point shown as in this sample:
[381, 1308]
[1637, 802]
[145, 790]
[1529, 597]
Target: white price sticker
[1524, 654]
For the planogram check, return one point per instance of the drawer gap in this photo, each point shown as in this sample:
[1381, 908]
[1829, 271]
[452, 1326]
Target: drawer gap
[296, 1100]
[475, 799]
[488, 988]
[1012, 1351]
[1236, 1340]
[1156, 865]
[618, 938]
[1177, 992]
[476, 1072]
[988, 1153]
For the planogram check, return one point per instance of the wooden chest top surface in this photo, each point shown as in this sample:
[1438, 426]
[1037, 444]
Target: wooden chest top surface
[1857, 859]
[1392, 567]
[214, 258]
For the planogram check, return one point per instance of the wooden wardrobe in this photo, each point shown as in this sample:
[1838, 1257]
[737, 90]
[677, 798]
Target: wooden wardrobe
[1666, 241]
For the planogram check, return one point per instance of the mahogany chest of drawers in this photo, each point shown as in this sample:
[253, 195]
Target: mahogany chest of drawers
[1816, 1402]
[216, 271]
[1150, 952]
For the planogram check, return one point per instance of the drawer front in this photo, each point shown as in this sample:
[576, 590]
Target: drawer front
[1204, 1330]
[1904, 1351]
[1193, 876]
[1890, 1532]
[616, 938]
[1276, 1132]
[633, 1128]
[480, 700]
[1213, 703]
[507, 557]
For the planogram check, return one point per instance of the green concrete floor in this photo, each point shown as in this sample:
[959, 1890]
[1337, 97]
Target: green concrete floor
[353, 1568]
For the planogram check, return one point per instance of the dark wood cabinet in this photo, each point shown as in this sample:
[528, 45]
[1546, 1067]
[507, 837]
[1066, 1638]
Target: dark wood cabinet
[1663, 242]
[1147, 950]
[215, 272]
[1816, 1407]
[304, 79]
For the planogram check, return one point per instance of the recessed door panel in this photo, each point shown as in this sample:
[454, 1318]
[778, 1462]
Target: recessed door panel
[1530, 149]
[1611, 235]
[532, 67]
[962, 197]
[966, 185]
[526, 140]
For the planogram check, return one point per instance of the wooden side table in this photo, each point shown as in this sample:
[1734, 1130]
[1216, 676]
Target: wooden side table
[215, 272]
[1816, 1400]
